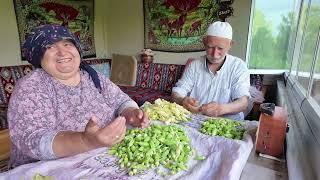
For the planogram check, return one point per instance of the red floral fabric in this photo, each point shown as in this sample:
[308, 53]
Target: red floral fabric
[9, 76]
[158, 76]
[141, 95]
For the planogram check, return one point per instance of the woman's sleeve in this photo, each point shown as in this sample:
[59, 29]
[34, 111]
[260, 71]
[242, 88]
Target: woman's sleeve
[32, 120]
[115, 97]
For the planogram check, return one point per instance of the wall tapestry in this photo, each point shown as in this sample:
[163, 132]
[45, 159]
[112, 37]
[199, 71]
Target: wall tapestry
[179, 25]
[77, 15]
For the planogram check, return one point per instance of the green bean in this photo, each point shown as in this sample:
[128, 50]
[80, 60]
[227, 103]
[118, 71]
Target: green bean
[38, 176]
[223, 127]
[164, 174]
[148, 148]
[200, 158]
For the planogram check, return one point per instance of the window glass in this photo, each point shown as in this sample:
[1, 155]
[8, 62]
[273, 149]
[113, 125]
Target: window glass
[271, 29]
[315, 91]
[309, 44]
[296, 36]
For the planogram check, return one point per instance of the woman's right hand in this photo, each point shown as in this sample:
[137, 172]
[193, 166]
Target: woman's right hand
[191, 104]
[96, 137]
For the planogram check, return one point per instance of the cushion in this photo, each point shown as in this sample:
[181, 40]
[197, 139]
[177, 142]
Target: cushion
[4, 149]
[3, 117]
[158, 76]
[102, 68]
[123, 70]
[100, 65]
[4, 165]
[9, 76]
[141, 95]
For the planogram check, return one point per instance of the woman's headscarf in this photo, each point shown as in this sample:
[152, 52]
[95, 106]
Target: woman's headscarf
[41, 37]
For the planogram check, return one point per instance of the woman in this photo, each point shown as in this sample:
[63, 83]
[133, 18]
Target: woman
[64, 107]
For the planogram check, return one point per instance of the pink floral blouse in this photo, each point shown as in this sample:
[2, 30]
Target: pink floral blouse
[41, 106]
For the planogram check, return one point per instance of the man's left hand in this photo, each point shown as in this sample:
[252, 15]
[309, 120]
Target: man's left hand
[212, 109]
[136, 117]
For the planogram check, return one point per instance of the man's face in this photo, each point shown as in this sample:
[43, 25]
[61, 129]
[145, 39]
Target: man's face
[216, 48]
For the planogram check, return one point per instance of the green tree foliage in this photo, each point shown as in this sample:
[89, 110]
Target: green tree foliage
[282, 41]
[310, 39]
[262, 42]
[269, 51]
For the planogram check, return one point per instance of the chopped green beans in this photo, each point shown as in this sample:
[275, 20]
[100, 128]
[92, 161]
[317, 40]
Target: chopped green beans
[165, 111]
[153, 146]
[38, 176]
[200, 158]
[223, 127]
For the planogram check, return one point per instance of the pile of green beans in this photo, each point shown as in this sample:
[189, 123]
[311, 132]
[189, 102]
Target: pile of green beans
[151, 147]
[223, 127]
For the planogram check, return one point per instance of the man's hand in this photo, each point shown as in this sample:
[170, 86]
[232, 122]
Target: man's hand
[191, 104]
[215, 109]
[96, 137]
[136, 117]
[212, 109]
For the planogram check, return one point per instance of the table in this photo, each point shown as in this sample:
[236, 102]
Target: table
[225, 159]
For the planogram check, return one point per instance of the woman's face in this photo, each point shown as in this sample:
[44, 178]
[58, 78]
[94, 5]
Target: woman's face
[61, 60]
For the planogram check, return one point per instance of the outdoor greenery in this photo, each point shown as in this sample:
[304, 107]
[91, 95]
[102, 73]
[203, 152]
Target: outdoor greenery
[310, 39]
[269, 51]
[272, 51]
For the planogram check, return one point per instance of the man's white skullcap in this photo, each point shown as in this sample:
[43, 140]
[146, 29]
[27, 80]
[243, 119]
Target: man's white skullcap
[220, 29]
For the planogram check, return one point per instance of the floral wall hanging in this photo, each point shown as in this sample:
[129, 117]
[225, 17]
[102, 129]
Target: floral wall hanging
[77, 15]
[179, 25]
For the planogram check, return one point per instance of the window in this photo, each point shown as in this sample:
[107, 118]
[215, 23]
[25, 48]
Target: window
[271, 28]
[309, 43]
[315, 89]
[296, 37]
[304, 48]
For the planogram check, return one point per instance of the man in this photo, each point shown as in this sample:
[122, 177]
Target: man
[218, 83]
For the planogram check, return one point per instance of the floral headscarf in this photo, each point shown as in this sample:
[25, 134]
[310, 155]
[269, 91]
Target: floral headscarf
[41, 37]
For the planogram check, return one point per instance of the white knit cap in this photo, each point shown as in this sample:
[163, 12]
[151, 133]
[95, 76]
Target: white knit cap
[220, 29]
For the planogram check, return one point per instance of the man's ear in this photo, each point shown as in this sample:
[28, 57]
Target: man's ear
[232, 42]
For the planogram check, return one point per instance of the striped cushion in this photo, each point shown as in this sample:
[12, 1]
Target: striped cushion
[158, 76]
[3, 117]
[4, 165]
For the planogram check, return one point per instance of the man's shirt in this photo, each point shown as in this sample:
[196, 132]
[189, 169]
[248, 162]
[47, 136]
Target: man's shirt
[226, 85]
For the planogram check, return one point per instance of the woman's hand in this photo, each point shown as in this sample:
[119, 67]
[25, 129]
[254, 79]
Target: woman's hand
[191, 104]
[109, 135]
[136, 117]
